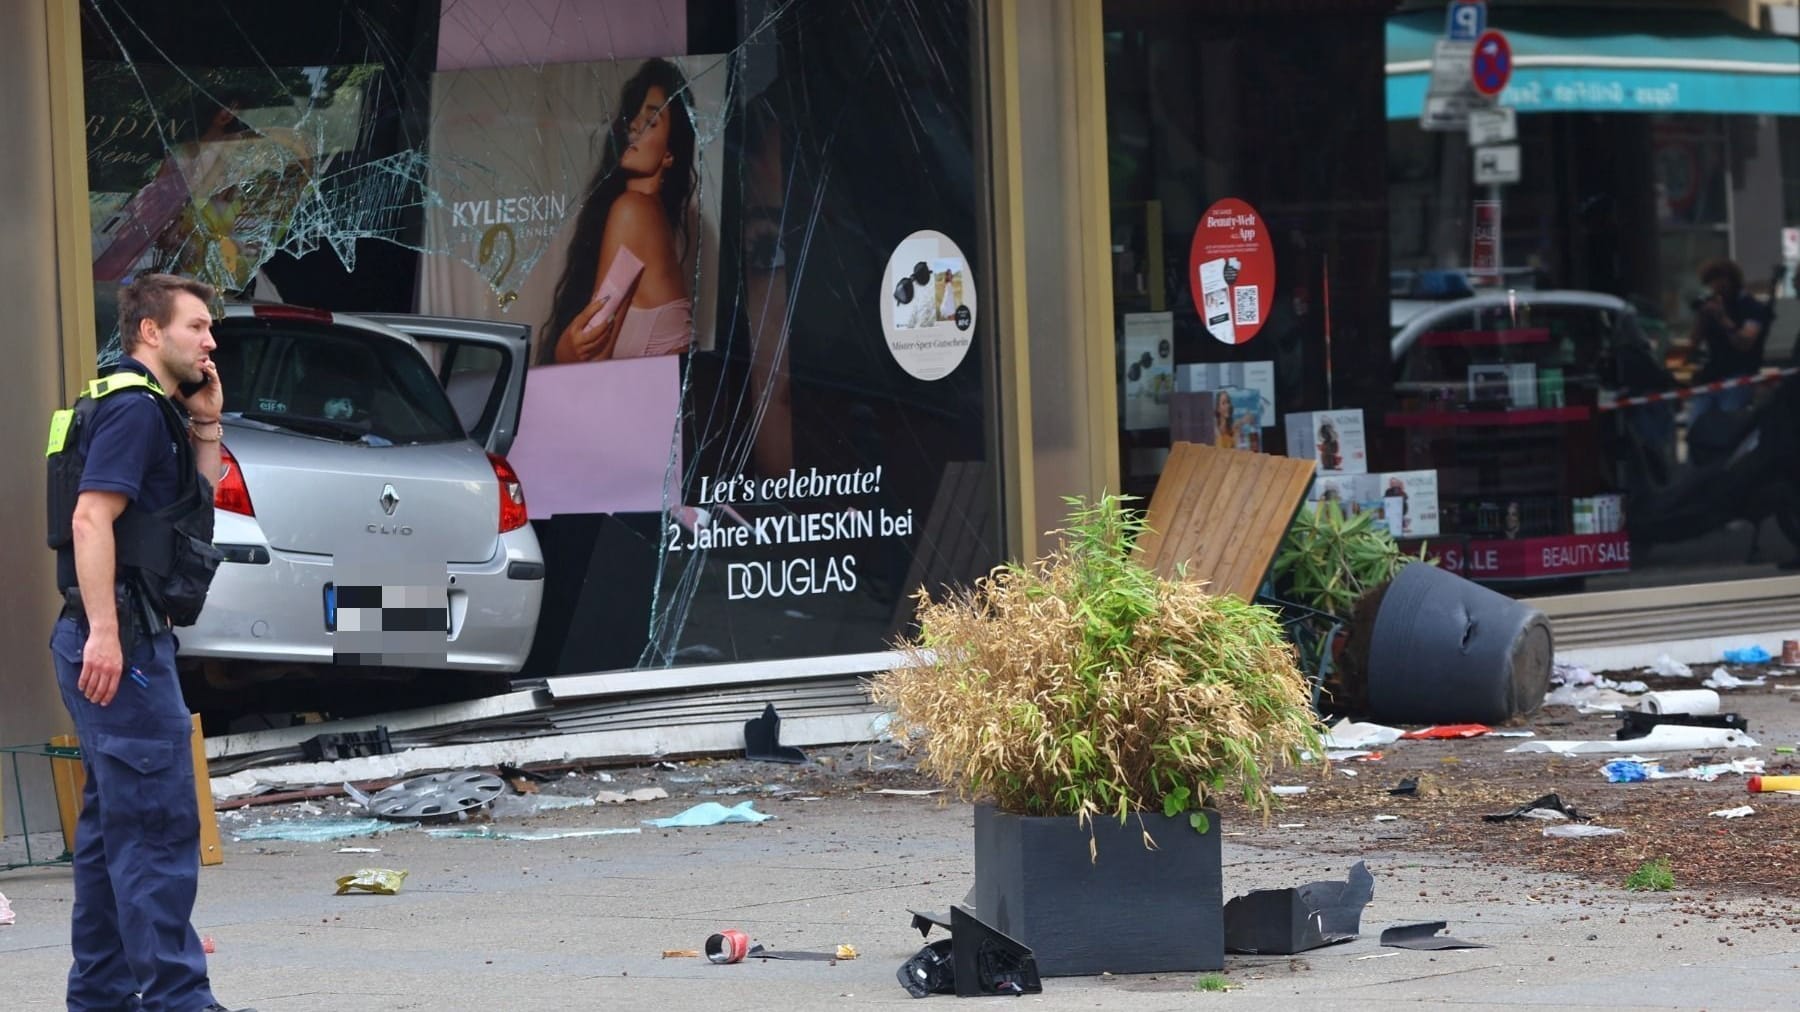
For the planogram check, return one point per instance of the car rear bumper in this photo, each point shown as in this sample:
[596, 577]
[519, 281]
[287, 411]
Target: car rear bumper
[274, 611]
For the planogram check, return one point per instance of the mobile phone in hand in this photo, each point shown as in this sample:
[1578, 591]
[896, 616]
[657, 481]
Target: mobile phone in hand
[193, 387]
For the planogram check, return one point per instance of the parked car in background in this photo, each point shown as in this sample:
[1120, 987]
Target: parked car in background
[360, 451]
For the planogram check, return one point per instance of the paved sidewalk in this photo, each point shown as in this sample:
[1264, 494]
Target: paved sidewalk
[581, 924]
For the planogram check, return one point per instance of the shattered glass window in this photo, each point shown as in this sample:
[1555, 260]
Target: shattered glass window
[746, 236]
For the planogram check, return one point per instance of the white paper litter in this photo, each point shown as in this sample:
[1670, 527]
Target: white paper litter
[6, 911]
[1285, 791]
[641, 794]
[1631, 688]
[1589, 698]
[1709, 772]
[1669, 667]
[1734, 813]
[1387, 818]
[1348, 773]
[1338, 755]
[1512, 734]
[1577, 829]
[1349, 734]
[1662, 738]
[1570, 674]
[359, 850]
[1722, 679]
[1291, 825]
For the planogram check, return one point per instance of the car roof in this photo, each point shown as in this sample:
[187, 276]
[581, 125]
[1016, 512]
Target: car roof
[278, 310]
[1430, 316]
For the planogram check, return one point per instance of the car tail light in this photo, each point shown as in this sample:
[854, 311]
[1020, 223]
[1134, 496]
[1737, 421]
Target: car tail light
[512, 495]
[231, 494]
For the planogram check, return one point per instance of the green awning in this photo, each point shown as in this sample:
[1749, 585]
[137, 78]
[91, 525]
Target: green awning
[1613, 60]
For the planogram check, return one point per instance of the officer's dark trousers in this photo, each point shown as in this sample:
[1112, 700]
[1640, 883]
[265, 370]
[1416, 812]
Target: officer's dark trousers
[137, 845]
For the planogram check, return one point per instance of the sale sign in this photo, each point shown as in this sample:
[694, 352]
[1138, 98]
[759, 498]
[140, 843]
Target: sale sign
[1539, 558]
[1232, 270]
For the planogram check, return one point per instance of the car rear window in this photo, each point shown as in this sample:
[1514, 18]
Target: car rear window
[331, 382]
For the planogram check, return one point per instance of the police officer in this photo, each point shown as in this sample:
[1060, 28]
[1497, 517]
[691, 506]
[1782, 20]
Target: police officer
[137, 849]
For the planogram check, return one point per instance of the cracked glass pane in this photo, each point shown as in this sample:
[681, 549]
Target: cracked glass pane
[746, 238]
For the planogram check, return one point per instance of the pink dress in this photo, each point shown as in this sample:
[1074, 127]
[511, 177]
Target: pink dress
[662, 330]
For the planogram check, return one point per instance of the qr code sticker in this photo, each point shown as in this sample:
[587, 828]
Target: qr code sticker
[1247, 306]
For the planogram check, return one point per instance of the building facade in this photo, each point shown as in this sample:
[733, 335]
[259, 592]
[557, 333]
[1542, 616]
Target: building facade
[943, 263]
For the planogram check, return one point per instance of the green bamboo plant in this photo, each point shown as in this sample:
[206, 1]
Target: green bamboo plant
[1085, 684]
[1329, 562]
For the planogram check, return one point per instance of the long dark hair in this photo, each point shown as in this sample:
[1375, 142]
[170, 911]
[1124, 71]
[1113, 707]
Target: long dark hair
[576, 288]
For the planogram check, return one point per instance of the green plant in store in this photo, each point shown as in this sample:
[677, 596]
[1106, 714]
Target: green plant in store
[1329, 562]
[1086, 685]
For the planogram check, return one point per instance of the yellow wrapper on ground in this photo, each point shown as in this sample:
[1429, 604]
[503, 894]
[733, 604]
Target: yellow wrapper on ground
[382, 881]
[846, 952]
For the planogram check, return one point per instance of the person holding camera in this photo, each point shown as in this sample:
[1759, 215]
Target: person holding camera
[1730, 326]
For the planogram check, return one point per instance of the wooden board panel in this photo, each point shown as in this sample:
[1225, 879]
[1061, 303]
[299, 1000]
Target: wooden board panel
[1223, 513]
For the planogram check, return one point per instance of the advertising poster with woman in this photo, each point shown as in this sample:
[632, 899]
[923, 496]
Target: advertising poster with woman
[582, 200]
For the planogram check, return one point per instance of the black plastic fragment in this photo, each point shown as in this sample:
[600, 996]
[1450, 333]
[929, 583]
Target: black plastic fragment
[1637, 724]
[988, 962]
[1549, 801]
[930, 972]
[762, 739]
[1408, 787]
[925, 920]
[1286, 921]
[347, 745]
[1424, 937]
[975, 961]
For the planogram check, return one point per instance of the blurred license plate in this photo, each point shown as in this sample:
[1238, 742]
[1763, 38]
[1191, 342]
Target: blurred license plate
[393, 620]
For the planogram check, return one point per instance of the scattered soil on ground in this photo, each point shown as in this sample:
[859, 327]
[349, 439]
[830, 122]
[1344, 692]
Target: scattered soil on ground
[1740, 865]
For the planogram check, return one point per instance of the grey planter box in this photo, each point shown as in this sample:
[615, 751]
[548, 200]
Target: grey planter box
[1134, 911]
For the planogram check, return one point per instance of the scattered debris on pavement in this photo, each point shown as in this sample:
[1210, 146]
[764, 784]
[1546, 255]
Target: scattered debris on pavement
[1663, 738]
[1669, 667]
[1283, 922]
[762, 740]
[380, 881]
[1577, 830]
[711, 813]
[1752, 654]
[1349, 734]
[437, 795]
[1722, 679]
[491, 832]
[1547, 808]
[1446, 732]
[975, 961]
[313, 830]
[641, 794]
[1425, 937]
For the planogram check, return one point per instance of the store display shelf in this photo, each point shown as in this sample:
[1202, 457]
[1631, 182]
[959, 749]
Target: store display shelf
[1485, 419]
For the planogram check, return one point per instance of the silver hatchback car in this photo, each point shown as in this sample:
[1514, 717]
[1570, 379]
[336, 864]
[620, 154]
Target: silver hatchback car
[365, 451]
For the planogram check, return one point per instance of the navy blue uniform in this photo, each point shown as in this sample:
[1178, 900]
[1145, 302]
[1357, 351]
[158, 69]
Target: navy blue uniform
[137, 847]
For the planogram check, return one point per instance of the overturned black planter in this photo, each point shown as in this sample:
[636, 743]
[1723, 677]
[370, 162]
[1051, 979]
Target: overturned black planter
[1135, 910]
[1445, 650]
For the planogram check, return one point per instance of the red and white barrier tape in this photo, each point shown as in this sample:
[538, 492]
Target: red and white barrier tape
[1682, 394]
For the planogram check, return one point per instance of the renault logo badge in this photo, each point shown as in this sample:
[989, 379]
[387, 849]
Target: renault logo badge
[390, 500]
